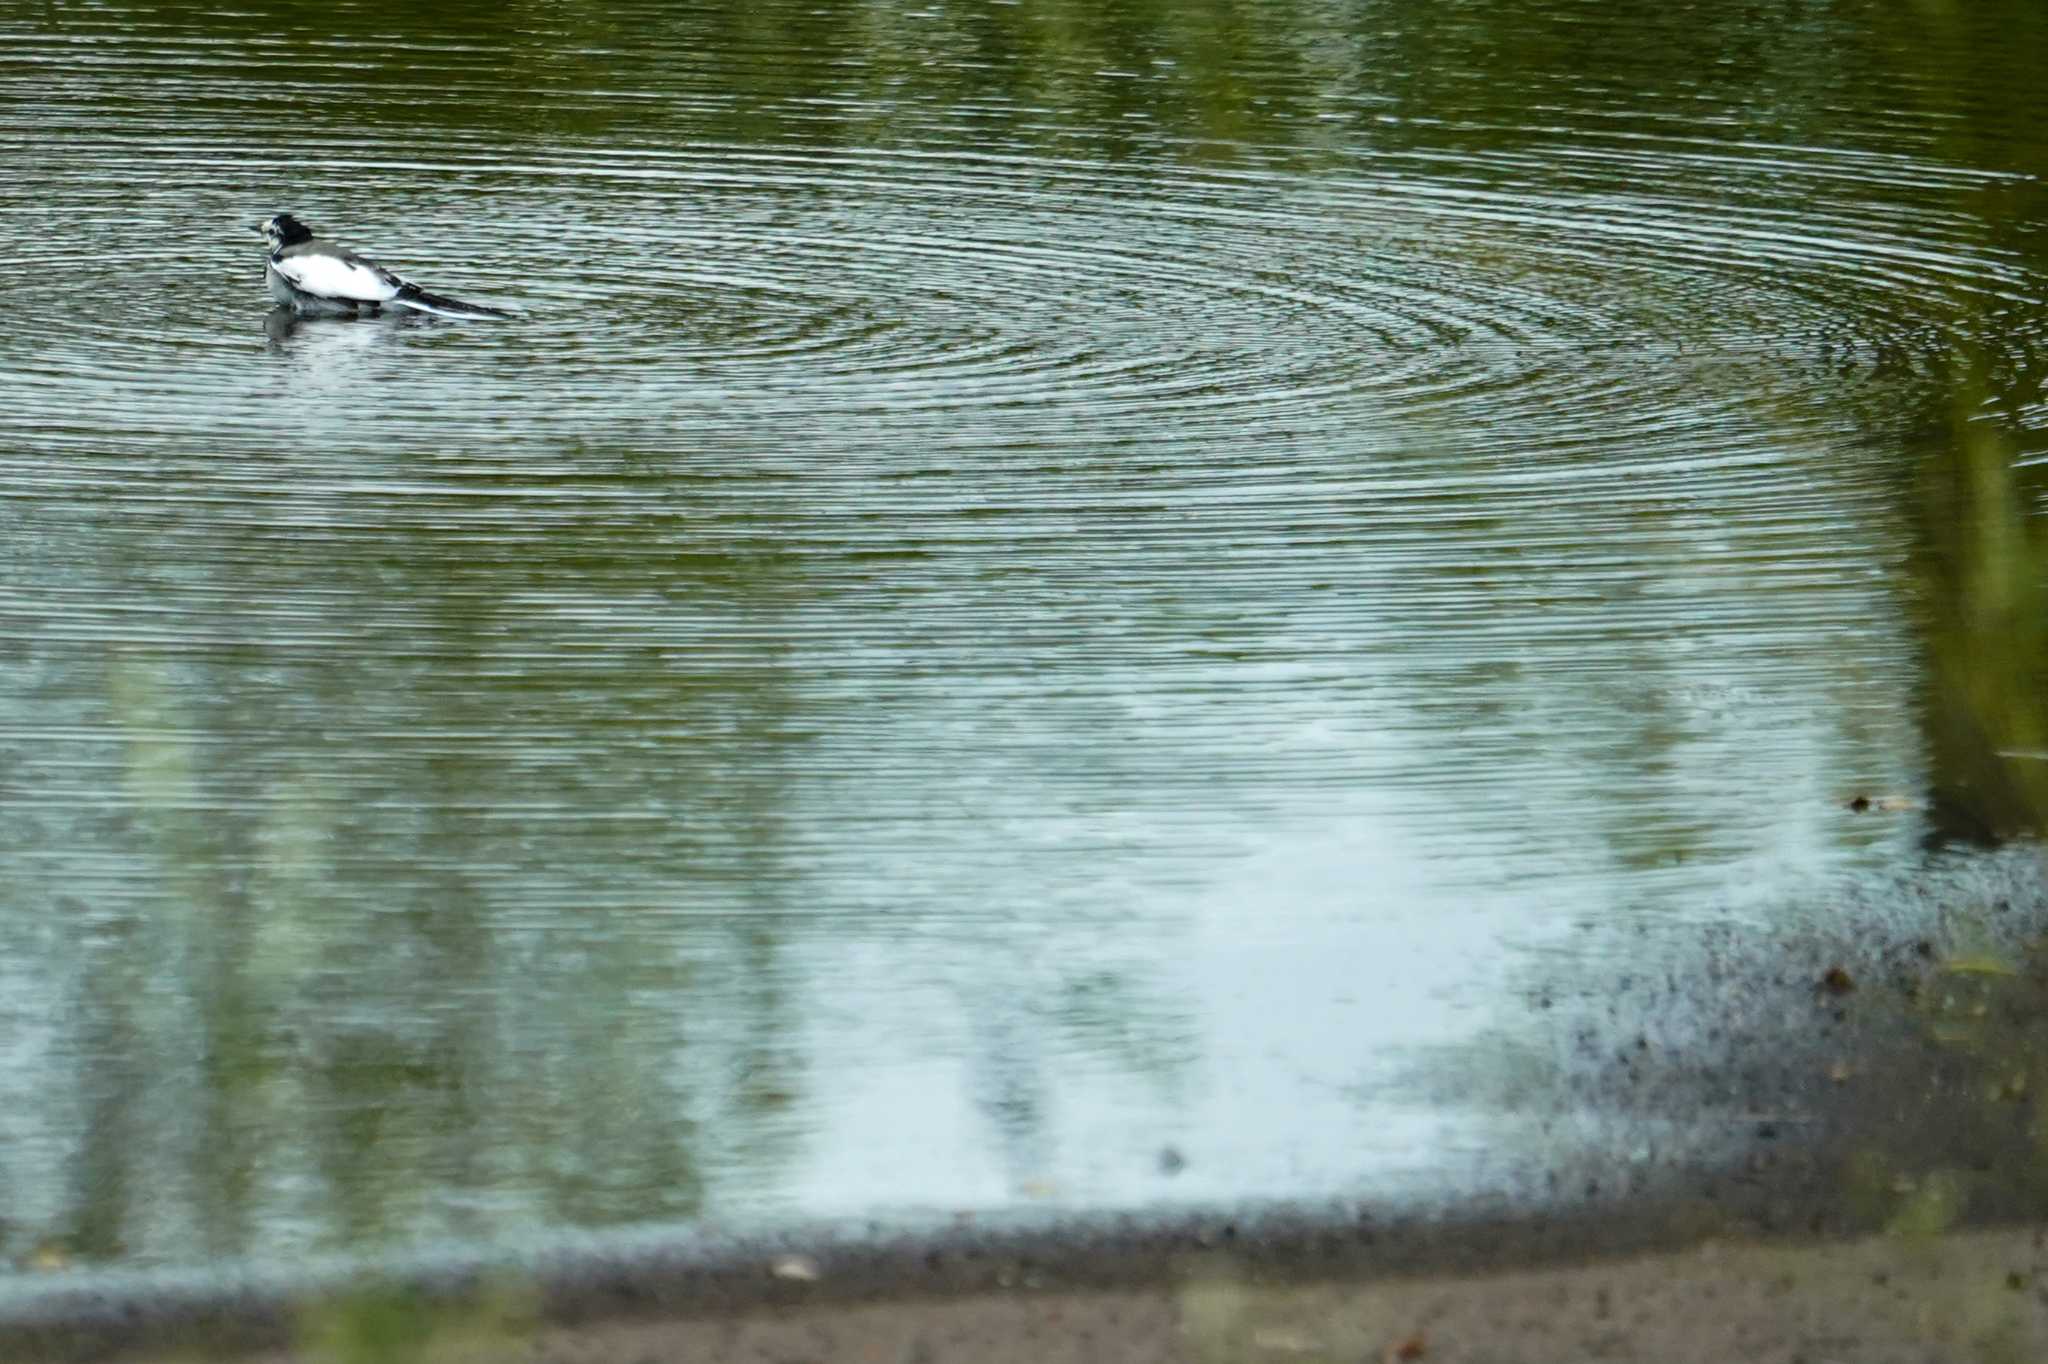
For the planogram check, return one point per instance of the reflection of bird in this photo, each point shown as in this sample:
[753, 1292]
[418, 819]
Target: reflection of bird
[285, 330]
[329, 281]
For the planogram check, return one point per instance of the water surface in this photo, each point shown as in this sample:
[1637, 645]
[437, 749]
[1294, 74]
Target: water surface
[1037, 601]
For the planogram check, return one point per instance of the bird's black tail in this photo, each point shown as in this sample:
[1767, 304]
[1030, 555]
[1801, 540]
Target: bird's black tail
[419, 300]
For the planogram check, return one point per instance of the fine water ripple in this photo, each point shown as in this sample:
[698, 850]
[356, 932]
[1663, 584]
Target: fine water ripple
[1009, 301]
[1001, 605]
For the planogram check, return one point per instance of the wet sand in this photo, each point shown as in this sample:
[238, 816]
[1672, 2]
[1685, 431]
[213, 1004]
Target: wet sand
[1970, 1297]
[1901, 1297]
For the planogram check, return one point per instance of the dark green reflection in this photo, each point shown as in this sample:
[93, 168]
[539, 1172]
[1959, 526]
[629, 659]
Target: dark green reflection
[1143, 76]
[1983, 570]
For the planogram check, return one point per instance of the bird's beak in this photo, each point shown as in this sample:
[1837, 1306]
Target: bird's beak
[257, 228]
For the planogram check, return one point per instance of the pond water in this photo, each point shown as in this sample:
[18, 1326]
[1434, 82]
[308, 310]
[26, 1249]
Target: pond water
[1038, 599]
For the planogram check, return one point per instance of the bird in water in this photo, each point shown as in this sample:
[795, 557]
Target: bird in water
[330, 281]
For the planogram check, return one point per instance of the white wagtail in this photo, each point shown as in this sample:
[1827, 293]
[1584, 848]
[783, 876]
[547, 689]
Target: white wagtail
[330, 281]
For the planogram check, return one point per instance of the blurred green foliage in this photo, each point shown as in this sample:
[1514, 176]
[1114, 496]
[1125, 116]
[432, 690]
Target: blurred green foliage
[395, 1325]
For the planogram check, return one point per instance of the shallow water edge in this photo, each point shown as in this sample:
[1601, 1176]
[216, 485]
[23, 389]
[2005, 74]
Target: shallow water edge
[1855, 1023]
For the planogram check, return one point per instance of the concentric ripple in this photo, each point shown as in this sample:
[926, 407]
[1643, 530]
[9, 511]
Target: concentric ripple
[1013, 301]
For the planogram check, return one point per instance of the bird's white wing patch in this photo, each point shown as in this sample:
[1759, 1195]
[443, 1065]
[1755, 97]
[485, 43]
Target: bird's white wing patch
[332, 277]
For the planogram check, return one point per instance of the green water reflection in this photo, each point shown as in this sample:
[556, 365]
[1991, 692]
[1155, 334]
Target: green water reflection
[1043, 584]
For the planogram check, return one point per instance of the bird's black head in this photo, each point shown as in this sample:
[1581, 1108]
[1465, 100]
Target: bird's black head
[284, 230]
